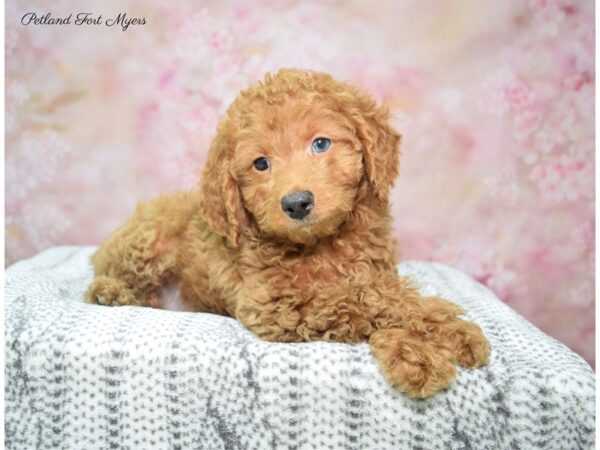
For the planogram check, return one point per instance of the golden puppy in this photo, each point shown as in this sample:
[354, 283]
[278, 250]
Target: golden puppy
[290, 234]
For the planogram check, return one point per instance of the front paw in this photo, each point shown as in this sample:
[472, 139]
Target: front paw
[466, 341]
[441, 325]
[411, 364]
[474, 348]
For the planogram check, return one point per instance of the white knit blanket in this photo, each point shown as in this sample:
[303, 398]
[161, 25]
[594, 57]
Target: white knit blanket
[83, 376]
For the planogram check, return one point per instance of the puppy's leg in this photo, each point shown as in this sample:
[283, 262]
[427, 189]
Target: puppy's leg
[418, 339]
[141, 256]
[131, 266]
[438, 321]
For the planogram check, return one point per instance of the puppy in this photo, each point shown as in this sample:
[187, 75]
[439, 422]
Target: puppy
[289, 233]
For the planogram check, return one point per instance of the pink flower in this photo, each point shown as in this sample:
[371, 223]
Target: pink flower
[576, 81]
[545, 141]
[525, 123]
[519, 96]
[166, 77]
[502, 185]
[219, 40]
[582, 238]
[564, 178]
[201, 37]
[551, 18]
[536, 5]
[502, 90]
[494, 100]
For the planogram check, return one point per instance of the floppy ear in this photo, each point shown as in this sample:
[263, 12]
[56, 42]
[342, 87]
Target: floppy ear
[381, 145]
[220, 203]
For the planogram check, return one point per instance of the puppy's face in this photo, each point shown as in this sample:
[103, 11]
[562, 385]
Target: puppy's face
[297, 152]
[299, 166]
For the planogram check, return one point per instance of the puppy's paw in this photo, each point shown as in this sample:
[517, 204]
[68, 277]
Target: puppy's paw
[110, 292]
[465, 340]
[473, 349]
[414, 366]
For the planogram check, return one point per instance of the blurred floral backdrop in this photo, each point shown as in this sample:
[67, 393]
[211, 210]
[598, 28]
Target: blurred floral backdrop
[495, 101]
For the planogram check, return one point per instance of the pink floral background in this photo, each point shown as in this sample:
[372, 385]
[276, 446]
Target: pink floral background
[495, 101]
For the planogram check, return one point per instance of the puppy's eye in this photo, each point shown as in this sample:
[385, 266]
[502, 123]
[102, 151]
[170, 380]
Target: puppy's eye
[261, 163]
[321, 145]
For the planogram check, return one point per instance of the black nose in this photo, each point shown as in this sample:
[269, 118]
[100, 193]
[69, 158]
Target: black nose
[298, 204]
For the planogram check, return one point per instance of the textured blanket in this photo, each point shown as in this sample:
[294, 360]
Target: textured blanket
[83, 376]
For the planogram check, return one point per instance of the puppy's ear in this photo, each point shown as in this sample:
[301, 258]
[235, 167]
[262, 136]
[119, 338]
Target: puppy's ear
[220, 203]
[381, 145]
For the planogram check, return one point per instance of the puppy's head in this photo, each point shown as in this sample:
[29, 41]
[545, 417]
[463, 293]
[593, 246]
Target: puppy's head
[294, 155]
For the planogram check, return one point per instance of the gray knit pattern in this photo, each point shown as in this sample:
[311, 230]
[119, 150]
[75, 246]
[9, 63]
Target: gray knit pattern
[82, 376]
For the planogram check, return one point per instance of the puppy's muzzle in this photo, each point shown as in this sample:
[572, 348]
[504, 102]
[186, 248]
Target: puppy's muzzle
[298, 205]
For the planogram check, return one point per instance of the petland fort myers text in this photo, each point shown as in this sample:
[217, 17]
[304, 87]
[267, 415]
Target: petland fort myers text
[82, 18]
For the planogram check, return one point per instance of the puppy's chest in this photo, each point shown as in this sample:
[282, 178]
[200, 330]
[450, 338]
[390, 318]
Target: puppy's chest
[306, 276]
[302, 274]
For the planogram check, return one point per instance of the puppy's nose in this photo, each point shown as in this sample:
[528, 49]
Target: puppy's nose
[298, 204]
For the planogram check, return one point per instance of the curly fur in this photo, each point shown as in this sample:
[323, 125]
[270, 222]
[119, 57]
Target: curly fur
[230, 249]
